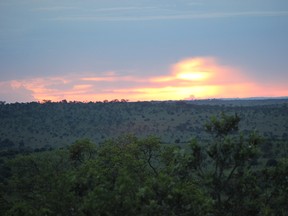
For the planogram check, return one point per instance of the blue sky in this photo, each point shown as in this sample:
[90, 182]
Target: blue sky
[45, 39]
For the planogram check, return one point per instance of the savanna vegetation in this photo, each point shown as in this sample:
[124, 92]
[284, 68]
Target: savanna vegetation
[52, 125]
[232, 162]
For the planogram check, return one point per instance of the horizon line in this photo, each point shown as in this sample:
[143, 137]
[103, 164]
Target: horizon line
[122, 100]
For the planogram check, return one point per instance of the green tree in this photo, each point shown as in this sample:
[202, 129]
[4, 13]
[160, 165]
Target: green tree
[224, 166]
[41, 184]
[81, 150]
[275, 189]
[129, 174]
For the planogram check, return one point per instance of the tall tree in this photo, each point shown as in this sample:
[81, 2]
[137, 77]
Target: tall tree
[224, 166]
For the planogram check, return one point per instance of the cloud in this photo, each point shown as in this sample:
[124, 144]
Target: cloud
[181, 16]
[99, 79]
[200, 71]
[54, 8]
[132, 8]
[15, 92]
[93, 9]
[201, 77]
[84, 87]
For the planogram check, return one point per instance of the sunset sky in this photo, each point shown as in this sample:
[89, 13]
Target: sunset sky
[139, 50]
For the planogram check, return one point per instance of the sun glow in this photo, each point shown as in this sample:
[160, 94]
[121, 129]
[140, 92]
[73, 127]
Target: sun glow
[193, 76]
[190, 78]
[194, 69]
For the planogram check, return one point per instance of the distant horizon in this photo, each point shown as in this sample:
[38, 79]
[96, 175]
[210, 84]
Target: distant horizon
[123, 100]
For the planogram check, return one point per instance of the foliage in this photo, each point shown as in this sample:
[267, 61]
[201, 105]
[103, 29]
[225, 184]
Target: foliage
[124, 177]
[132, 176]
[41, 126]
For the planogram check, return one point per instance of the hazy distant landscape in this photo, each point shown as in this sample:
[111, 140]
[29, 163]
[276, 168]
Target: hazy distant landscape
[59, 124]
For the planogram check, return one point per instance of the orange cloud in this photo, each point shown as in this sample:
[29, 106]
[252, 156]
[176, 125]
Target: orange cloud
[201, 77]
[82, 87]
[195, 69]
[113, 78]
[99, 79]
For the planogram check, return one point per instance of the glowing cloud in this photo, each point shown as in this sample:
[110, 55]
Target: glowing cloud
[201, 77]
[191, 69]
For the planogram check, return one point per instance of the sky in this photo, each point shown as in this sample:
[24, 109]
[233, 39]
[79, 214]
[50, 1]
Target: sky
[142, 49]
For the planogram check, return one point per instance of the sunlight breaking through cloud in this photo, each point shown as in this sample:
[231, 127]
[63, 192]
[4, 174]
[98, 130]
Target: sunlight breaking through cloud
[201, 77]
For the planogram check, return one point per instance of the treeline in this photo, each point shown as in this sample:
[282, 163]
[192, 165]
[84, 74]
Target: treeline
[143, 176]
[72, 102]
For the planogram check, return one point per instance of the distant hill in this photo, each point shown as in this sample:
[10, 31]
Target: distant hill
[37, 125]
